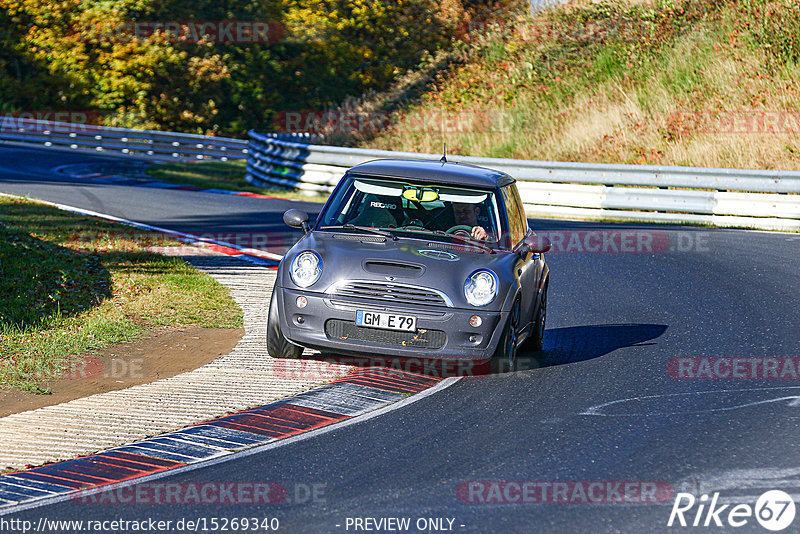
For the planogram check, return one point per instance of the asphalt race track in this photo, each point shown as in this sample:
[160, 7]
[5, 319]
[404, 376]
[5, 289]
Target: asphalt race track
[604, 402]
[27, 171]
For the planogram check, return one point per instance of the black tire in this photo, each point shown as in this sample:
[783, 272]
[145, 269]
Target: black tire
[277, 345]
[535, 341]
[505, 356]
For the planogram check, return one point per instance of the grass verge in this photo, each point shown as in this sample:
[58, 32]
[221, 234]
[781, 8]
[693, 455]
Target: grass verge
[70, 284]
[227, 175]
[704, 83]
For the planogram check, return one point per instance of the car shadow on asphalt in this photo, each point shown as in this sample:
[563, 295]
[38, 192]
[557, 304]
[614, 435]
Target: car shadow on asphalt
[579, 343]
[561, 346]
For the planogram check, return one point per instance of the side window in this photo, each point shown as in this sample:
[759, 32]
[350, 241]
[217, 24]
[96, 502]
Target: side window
[517, 223]
[521, 207]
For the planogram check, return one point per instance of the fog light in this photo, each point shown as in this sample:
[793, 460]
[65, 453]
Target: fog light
[475, 321]
[302, 302]
[300, 319]
[474, 338]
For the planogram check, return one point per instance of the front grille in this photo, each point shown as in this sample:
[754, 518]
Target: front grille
[397, 294]
[336, 329]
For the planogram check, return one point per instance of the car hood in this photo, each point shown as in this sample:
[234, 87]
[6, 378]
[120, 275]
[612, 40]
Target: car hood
[420, 262]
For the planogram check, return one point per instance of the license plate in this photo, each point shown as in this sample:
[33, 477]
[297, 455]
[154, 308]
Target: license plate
[388, 321]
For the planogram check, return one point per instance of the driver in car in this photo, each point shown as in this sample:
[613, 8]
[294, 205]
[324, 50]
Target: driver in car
[467, 215]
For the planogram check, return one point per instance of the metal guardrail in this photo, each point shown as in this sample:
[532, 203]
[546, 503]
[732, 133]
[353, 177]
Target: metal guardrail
[121, 141]
[759, 199]
[127, 141]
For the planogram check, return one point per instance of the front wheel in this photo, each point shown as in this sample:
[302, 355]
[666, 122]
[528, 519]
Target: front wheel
[277, 345]
[505, 357]
[536, 340]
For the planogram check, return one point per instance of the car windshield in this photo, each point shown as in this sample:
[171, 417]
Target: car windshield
[414, 208]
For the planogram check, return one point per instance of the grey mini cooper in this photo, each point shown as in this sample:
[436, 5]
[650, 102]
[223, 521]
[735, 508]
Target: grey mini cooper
[413, 258]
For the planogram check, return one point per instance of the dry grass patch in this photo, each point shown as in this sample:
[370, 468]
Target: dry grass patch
[623, 82]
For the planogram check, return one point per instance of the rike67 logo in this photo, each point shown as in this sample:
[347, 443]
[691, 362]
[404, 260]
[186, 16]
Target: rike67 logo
[774, 510]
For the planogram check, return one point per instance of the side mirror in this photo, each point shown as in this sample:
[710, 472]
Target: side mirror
[296, 219]
[536, 244]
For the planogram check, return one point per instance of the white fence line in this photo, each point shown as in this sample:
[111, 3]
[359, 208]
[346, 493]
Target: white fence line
[645, 193]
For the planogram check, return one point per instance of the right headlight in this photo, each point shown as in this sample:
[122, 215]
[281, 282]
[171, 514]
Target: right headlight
[481, 287]
[306, 268]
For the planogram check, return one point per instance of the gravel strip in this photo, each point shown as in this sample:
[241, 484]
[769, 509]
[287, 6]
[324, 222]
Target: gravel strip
[244, 378]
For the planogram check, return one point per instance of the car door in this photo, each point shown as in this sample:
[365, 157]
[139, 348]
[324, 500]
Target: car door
[526, 267]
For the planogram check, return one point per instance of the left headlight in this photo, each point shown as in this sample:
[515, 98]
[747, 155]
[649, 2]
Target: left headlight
[306, 268]
[481, 287]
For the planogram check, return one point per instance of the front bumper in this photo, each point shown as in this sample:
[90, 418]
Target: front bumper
[328, 325]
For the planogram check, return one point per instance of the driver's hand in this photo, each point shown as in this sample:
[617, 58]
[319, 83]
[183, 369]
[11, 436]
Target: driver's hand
[479, 233]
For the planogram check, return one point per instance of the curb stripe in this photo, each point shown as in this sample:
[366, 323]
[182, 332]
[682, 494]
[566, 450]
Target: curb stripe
[35, 478]
[63, 472]
[368, 392]
[7, 489]
[291, 411]
[237, 438]
[156, 463]
[8, 495]
[397, 383]
[257, 449]
[190, 450]
[392, 374]
[72, 484]
[244, 428]
[35, 484]
[119, 466]
[399, 386]
[135, 466]
[268, 416]
[257, 424]
[361, 392]
[89, 467]
[155, 452]
[388, 386]
[262, 421]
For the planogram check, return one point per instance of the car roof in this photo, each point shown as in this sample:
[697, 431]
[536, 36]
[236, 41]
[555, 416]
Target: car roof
[434, 171]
